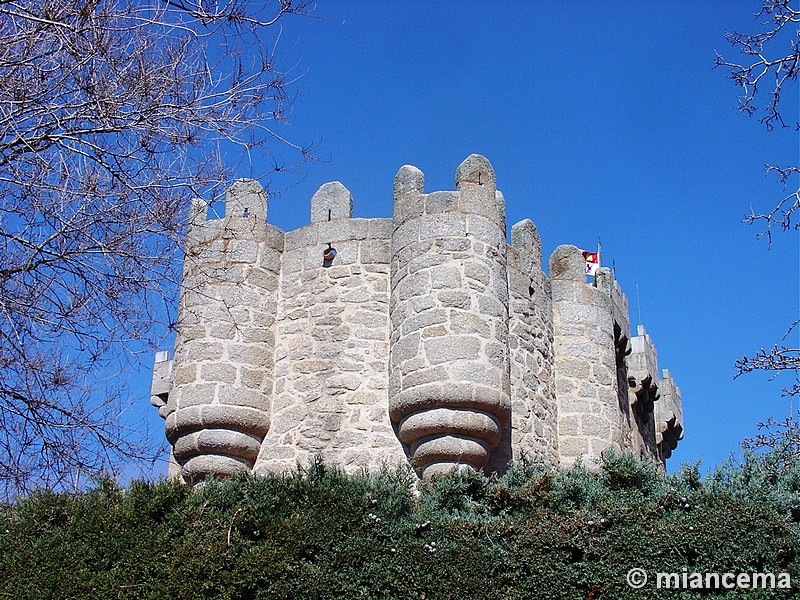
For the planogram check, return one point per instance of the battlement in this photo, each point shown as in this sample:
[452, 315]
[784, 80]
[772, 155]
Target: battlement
[423, 337]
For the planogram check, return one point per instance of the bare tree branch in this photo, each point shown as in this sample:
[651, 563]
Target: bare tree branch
[778, 359]
[783, 437]
[113, 115]
[772, 60]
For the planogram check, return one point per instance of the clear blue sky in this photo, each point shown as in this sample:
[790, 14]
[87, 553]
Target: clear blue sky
[600, 119]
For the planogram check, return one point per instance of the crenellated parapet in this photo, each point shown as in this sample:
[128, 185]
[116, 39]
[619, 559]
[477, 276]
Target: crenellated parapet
[422, 338]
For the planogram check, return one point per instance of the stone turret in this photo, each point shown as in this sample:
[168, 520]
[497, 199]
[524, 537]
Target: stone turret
[218, 410]
[643, 388]
[423, 338]
[448, 366]
[668, 417]
[583, 342]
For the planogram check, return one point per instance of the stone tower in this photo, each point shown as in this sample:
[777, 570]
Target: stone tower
[449, 383]
[422, 338]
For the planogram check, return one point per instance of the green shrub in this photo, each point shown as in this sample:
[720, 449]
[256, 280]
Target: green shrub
[535, 532]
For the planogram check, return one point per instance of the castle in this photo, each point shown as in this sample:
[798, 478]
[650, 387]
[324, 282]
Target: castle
[423, 337]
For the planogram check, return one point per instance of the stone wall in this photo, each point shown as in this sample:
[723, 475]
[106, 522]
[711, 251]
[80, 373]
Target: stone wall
[423, 338]
[533, 427]
[331, 381]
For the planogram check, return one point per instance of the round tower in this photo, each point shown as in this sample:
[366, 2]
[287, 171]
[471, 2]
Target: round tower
[449, 367]
[585, 354]
[218, 410]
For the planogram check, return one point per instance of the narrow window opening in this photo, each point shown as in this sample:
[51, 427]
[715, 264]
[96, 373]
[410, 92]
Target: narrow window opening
[328, 255]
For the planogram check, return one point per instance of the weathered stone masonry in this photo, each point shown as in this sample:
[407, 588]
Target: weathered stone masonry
[423, 337]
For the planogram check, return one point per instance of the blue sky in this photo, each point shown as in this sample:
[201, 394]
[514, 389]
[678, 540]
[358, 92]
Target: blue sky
[600, 119]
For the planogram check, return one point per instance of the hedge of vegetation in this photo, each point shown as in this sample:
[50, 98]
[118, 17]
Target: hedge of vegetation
[534, 533]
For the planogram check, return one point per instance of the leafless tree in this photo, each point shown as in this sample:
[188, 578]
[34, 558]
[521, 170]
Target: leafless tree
[771, 61]
[113, 114]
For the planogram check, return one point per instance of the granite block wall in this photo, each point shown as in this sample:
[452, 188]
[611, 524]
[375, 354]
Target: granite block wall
[421, 339]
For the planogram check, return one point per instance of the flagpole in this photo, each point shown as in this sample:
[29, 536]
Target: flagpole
[638, 305]
[599, 258]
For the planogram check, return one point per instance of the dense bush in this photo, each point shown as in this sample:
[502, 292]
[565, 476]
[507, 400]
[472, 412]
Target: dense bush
[534, 533]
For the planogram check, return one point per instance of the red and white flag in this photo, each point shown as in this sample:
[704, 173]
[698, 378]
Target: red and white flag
[592, 261]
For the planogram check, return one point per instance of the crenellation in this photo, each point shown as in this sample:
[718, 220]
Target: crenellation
[246, 199]
[331, 202]
[196, 223]
[421, 338]
[643, 356]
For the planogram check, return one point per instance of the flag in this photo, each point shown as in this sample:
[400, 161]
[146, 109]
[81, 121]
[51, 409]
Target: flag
[592, 261]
